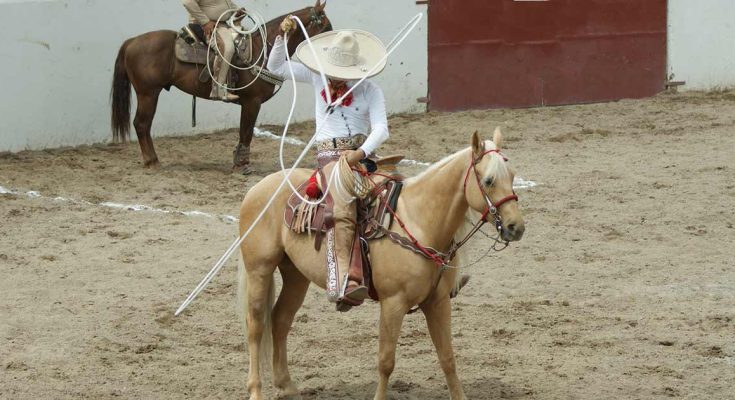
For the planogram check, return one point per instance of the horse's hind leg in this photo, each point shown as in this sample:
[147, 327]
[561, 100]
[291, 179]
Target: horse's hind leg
[259, 287]
[439, 320]
[289, 301]
[392, 311]
[147, 103]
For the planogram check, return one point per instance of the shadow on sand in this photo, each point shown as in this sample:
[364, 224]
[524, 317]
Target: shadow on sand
[488, 389]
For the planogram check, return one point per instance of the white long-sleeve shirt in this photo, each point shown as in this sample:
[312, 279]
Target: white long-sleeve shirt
[366, 115]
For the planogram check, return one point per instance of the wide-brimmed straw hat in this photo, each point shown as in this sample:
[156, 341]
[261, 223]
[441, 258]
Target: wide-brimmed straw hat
[346, 54]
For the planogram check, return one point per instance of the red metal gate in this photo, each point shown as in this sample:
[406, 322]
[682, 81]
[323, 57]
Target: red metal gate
[521, 53]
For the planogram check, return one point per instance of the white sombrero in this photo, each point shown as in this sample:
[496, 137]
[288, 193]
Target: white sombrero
[346, 54]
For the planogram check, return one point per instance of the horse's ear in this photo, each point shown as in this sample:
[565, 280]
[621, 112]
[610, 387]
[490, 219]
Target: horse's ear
[497, 138]
[477, 144]
[319, 6]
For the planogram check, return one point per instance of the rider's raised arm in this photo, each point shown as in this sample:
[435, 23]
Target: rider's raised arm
[195, 11]
[278, 64]
[378, 119]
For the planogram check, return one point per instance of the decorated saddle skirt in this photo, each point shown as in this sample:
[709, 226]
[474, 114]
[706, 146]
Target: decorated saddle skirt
[373, 212]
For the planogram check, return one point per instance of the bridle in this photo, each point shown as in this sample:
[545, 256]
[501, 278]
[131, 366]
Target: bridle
[441, 259]
[317, 18]
[491, 207]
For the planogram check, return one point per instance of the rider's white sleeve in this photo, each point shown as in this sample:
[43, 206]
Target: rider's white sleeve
[195, 11]
[277, 64]
[378, 120]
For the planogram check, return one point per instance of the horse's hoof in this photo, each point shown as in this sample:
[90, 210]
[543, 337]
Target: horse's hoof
[152, 164]
[244, 169]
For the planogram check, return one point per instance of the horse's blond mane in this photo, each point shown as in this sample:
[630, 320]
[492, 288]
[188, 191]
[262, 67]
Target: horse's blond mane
[497, 168]
[434, 167]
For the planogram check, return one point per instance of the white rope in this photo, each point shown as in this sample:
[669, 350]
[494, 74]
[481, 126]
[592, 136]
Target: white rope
[287, 174]
[264, 37]
[402, 34]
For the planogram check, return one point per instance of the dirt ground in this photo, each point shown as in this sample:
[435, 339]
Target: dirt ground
[622, 288]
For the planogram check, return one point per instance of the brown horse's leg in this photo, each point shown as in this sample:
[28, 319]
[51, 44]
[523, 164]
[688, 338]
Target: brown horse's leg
[241, 156]
[147, 103]
[289, 301]
[259, 281]
[439, 320]
[392, 311]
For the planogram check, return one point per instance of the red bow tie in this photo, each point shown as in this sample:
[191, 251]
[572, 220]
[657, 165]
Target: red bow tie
[339, 92]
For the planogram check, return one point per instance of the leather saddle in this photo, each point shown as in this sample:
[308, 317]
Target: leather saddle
[373, 214]
[191, 48]
[372, 211]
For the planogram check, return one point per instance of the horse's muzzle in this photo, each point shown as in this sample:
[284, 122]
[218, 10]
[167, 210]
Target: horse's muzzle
[513, 231]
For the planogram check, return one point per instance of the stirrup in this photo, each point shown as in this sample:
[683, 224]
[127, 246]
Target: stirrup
[223, 94]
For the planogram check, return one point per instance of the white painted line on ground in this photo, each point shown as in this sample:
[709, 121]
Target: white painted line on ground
[119, 206]
[518, 183]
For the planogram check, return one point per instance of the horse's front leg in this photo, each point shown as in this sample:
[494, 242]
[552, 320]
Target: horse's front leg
[258, 308]
[249, 111]
[439, 320]
[392, 311]
[289, 301]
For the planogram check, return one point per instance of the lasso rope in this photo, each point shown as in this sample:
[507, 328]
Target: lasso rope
[287, 173]
[260, 26]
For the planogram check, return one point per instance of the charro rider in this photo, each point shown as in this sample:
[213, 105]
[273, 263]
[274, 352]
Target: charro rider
[354, 130]
[206, 13]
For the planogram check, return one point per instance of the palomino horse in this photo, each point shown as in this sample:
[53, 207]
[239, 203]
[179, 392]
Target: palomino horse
[148, 62]
[432, 206]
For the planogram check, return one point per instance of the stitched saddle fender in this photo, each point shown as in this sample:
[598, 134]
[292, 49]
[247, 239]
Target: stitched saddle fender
[372, 215]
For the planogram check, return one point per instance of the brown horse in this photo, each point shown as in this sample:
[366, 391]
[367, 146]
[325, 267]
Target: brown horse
[148, 62]
[432, 206]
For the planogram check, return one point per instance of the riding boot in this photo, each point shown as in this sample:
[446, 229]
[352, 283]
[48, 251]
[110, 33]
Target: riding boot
[219, 88]
[344, 261]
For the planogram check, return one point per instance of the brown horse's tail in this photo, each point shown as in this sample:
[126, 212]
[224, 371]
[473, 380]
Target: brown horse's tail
[120, 98]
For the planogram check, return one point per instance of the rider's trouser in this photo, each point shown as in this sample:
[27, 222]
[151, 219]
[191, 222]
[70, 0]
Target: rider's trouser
[226, 46]
[344, 262]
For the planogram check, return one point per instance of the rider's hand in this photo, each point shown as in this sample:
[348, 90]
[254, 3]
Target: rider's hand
[240, 14]
[354, 156]
[288, 24]
[208, 29]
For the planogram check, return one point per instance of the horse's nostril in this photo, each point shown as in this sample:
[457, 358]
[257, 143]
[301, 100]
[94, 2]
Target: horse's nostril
[511, 228]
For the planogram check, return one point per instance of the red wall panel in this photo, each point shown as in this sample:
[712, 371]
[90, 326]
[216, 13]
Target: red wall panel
[505, 53]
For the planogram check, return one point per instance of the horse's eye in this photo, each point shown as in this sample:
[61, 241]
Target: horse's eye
[488, 181]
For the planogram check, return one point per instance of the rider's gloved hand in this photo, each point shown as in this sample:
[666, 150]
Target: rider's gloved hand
[354, 157]
[208, 29]
[239, 14]
[288, 24]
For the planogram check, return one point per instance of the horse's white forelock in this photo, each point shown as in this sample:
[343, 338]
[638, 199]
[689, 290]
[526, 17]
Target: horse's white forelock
[497, 167]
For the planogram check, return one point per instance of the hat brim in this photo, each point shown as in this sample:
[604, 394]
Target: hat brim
[372, 55]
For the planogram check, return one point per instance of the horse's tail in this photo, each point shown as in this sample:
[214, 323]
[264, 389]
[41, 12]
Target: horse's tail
[120, 98]
[266, 342]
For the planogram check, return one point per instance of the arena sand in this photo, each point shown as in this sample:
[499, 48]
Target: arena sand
[622, 288]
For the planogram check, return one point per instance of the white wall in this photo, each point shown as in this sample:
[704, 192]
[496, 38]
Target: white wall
[57, 59]
[701, 41]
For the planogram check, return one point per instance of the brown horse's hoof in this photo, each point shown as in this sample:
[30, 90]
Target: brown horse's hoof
[241, 160]
[244, 169]
[152, 164]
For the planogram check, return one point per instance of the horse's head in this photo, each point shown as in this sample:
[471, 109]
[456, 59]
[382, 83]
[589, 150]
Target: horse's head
[488, 187]
[314, 19]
